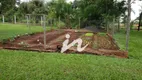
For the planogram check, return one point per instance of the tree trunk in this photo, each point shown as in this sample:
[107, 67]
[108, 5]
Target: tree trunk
[140, 19]
[125, 23]
[128, 25]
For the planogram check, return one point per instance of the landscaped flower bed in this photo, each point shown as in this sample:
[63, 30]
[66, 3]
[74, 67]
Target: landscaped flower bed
[99, 44]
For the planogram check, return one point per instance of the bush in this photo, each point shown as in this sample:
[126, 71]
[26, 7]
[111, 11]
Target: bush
[60, 24]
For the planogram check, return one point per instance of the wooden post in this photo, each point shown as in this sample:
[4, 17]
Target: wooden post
[52, 23]
[128, 25]
[27, 21]
[41, 20]
[3, 19]
[28, 24]
[59, 23]
[107, 26]
[15, 19]
[118, 24]
[113, 26]
[44, 34]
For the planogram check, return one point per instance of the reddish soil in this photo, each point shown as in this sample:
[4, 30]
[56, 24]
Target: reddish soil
[98, 45]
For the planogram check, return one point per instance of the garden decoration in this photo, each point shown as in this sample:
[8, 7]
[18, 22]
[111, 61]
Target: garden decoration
[67, 46]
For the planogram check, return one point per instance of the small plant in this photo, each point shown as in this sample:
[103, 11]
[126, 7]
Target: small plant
[89, 34]
[26, 34]
[23, 44]
[31, 34]
[95, 45]
[102, 34]
[12, 39]
[4, 41]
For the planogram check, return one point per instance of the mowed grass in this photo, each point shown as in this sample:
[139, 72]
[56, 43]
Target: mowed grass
[24, 65]
[12, 30]
[135, 43]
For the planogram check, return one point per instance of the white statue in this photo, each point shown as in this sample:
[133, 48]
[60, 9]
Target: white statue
[78, 41]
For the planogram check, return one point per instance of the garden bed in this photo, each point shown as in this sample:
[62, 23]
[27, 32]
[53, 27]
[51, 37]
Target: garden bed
[98, 44]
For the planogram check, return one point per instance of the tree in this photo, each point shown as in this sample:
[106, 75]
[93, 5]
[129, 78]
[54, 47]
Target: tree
[102, 11]
[6, 5]
[140, 21]
[62, 9]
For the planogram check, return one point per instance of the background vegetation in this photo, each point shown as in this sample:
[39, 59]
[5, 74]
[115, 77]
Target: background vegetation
[89, 12]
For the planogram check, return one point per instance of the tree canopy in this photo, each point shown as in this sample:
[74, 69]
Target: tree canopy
[86, 10]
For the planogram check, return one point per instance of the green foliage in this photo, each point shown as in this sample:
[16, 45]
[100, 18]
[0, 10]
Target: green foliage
[60, 24]
[6, 5]
[102, 34]
[4, 41]
[69, 13]
[89, 34]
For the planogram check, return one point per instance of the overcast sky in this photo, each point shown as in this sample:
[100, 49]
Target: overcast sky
[136, 8]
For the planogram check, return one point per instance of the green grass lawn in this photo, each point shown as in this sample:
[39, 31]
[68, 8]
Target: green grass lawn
[11, 30]
[135, 43]
[23, 65]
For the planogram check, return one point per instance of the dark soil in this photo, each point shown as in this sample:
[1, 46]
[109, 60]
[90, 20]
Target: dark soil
[99, 45]
[0, 45]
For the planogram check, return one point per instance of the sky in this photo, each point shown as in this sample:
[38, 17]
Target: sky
[135, 7]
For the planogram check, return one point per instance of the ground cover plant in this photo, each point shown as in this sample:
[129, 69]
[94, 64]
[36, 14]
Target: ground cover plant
[23, 65]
